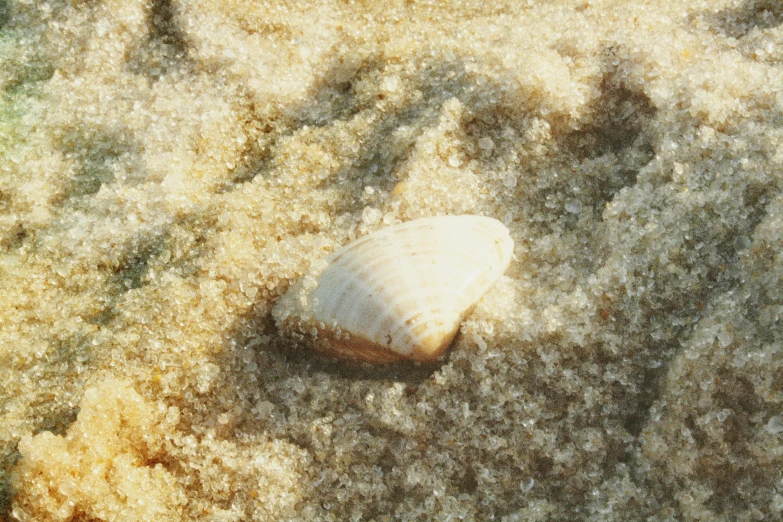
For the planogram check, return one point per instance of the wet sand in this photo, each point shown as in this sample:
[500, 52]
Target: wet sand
[169, 168]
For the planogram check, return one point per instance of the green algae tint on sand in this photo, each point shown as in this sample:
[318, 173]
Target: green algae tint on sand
[169, 169]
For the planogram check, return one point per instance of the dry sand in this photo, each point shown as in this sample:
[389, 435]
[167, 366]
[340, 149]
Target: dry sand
[169, 167]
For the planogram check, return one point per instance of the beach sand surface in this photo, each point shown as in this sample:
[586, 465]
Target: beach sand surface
[168, 168]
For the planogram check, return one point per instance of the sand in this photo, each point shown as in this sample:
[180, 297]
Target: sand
[168, 168]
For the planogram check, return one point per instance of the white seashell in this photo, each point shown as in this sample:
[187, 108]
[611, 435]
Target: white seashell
[399, 293]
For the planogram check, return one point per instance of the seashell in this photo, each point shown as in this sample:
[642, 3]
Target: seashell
[398, 293]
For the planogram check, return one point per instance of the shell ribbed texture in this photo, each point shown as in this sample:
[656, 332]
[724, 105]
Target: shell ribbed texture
[403, 291]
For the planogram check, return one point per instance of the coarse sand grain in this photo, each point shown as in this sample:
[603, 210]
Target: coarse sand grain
[168, 168]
